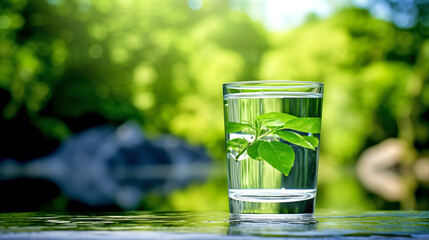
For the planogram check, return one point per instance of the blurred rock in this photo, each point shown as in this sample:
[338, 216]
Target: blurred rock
[421, 170]
[105, 166]
[378, 169]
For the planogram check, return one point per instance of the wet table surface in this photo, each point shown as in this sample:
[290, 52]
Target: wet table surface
[211, 225]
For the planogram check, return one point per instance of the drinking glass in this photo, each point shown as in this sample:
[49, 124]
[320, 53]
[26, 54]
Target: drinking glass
[272, 133]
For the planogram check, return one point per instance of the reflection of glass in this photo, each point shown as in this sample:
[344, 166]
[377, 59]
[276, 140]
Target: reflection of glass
[272, 135]
[279, 229]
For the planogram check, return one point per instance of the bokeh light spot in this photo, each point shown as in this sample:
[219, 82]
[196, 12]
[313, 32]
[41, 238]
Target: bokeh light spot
[59, 52]
[144, 75]
[119, 54]
[5, 22]
[404, 20]
[40, 90]
[55, 2]
[95, 51]
[195, 4]
[97, 31]
[144, 100]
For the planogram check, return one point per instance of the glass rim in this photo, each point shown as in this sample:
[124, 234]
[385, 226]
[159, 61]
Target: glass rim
[260, 84]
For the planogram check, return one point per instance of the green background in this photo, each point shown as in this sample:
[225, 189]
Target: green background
[66, 66]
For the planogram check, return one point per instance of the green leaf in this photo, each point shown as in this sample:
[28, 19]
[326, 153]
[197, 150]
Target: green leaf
[299, 140]
[279, 155]
[249, 123]
[232, 127]
[274, 118]
[310, 125]
[237, 144]
[253, 152]
[313, 140]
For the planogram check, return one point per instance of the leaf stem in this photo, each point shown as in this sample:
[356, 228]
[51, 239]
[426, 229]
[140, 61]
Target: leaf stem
[242, 151]
[258, 129]
[271, 131]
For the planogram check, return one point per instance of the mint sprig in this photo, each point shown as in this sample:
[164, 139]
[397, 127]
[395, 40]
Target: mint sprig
[277, 125]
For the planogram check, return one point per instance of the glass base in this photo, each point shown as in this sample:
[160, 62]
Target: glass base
[296, 211]
[306, 218]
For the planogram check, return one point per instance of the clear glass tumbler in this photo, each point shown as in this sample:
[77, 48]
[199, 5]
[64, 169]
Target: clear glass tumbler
[272, 133]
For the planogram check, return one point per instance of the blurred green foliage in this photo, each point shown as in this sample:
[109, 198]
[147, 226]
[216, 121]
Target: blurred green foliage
[370, 71]
[159, 62]
[376, 87]
[163, 64]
